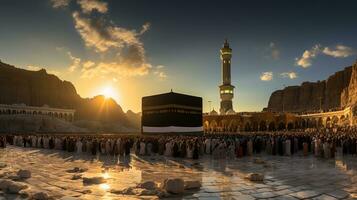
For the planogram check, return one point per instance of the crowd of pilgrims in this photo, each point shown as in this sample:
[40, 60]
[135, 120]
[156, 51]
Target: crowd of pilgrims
[321, 143]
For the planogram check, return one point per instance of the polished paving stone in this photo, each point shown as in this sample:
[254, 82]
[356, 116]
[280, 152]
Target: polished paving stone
[295, 177]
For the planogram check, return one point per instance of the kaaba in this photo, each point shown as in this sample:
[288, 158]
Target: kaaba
[171, 113]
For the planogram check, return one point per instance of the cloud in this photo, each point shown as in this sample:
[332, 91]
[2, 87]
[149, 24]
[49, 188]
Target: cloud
[306, 58]
[339, 52]
[60, 3]
[161, 75]
[291, 75]
[88, 6]
[145, 28]
[160, 67]
[274, 51]
[94, 33]
[266, 76]
[103, 37]
[119, 49]
[75, 62]
[114, 68]
[33, 68]
[106, 38]
[88, 64]
[159, 72]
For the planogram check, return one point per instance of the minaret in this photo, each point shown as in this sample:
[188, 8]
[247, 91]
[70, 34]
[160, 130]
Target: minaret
[226, 89]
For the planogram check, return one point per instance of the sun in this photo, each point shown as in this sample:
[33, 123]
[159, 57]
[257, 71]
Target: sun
[108, 92]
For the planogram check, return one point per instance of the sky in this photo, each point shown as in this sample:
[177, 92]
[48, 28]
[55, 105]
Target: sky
[134, 48]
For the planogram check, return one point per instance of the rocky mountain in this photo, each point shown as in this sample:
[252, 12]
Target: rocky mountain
[338, 91]
[38, 88]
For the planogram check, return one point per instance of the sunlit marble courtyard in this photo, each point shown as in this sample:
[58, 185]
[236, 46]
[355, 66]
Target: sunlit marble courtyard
[294, 177]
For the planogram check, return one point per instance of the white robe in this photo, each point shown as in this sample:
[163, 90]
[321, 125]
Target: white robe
[288, 148]
[79, 146]
[107, 146]
[46, 143]
[39, 142]
[189, 152]
[142, 148]
[168, 149]
[149, 149]
[250, 148]
[327, 151]
[58, 144]
[208, 146]
[34, 141]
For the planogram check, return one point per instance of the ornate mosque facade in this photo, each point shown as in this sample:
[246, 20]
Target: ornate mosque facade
[22, 109]
[229, 121]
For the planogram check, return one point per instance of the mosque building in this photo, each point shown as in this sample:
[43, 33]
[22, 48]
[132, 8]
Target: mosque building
[229, 121]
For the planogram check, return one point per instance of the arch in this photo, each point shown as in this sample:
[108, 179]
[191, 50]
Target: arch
[328, 122]
[213, 126]
[223, 125]
[313, 123]
[342, 117]
[34, 112]
[303, 123]
[206, 127]
[14, 112]
[60, 115]
[290, 126]
[335, 120]
[233, 126]
[247, 127]
[281, 126]
[320, 123]
[71, 117]
[297, 124]
[255, 126]
[262, 126]
[271, 126]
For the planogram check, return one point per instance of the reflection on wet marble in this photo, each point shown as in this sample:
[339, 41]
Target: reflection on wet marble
[294, 177]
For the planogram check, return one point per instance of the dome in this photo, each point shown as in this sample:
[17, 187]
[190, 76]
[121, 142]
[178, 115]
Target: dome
[230, 112]
[213, 112]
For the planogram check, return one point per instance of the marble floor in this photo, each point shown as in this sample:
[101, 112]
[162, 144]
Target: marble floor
[295, 177]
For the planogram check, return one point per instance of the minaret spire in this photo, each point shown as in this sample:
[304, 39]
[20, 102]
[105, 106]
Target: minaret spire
[226, 89]
[226, 44]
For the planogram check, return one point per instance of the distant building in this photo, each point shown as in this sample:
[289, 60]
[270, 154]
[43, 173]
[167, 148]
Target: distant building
[23, 109]
[171, 113]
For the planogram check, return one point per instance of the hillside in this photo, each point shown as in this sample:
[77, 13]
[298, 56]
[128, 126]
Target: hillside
[336, 92]
[38, 88]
